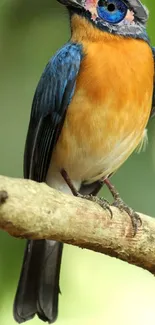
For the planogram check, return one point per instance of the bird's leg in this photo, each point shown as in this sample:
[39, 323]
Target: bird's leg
[118, 202]
[69, 182]
[102, 202]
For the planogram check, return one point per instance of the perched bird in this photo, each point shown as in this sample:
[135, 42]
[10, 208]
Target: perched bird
[89, 113]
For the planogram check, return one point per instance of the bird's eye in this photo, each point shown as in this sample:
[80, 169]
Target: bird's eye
[112, 11]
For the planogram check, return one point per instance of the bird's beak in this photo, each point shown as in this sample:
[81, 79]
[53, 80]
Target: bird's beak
[73, 3]
[140, 10]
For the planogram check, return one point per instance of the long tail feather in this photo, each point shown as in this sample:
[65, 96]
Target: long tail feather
[38, 287]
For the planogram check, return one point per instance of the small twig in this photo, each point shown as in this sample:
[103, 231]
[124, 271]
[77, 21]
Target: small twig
[3, 196]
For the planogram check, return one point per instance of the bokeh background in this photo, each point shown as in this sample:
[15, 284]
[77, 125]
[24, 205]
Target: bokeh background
[96, 289]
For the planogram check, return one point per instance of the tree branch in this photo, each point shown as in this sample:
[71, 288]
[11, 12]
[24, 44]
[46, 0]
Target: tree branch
[34, 211]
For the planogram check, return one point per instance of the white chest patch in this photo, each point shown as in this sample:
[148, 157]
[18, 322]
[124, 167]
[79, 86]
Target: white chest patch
[115, 158]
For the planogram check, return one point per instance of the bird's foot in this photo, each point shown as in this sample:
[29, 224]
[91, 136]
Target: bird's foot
[122, 206]
[101, 201]
[135, 218]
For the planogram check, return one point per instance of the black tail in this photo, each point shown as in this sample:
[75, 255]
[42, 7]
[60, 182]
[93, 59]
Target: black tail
[38, 287]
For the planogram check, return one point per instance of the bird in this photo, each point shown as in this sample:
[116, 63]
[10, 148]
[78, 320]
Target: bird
[89, 113]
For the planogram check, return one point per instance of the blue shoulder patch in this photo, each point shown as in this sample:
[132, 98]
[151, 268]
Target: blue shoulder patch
[51, 100]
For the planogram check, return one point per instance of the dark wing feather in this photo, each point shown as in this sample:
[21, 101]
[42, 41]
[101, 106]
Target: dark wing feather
[52, 97]
[38, 287]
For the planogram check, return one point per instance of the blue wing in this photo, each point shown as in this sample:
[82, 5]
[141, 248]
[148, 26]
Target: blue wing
[42, 259]
[153, 102]
[52, 97]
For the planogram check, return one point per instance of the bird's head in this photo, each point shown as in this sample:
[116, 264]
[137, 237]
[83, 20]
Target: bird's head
[123, 17]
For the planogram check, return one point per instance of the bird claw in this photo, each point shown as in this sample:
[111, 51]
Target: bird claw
[101, 201]
[105, 205]
[135, 218]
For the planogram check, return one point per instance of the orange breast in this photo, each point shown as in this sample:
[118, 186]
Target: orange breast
[110, 108]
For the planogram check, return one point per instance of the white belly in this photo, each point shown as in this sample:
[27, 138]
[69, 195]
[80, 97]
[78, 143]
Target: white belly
[111, 162]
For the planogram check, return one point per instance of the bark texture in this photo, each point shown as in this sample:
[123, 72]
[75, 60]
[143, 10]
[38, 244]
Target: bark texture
[34, 211]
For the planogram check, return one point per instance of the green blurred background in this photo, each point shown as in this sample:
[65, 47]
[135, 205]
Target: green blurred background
[96, 289]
